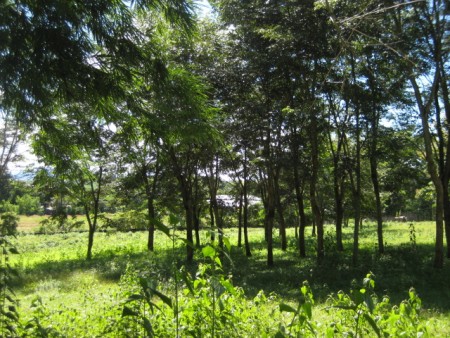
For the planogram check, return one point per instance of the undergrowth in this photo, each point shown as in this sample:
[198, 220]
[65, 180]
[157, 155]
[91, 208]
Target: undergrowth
[127, 292]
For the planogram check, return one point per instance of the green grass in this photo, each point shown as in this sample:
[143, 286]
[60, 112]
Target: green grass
[86, 296]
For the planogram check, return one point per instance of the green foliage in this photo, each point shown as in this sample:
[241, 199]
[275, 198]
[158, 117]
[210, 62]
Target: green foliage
[141, 305]
[361, 312]
[9, 223]
[124, 221]
[7, 206]
[28, 205]
[59, 222]
[301, 323]
[9, 315]
[36, 327]
[80, 298]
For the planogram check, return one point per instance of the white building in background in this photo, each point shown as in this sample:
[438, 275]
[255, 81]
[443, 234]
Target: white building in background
[230, 201]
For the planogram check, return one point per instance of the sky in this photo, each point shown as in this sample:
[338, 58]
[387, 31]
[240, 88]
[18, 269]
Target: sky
[204, 8]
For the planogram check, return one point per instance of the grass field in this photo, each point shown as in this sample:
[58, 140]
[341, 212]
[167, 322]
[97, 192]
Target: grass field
[73, 295]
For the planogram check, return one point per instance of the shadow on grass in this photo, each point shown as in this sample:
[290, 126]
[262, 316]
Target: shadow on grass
[397, 270]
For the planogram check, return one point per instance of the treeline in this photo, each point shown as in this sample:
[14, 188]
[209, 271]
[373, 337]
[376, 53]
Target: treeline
[337, 109]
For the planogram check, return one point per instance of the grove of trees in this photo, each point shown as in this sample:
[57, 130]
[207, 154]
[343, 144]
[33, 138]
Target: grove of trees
[327, 110]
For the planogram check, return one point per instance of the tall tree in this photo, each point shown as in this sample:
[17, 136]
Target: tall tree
[78, 156]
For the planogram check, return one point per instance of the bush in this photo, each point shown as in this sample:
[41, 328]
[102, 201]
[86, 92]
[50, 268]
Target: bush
[28, 205]
[7, 206]
[125, 221]
[59, 222]
[9, 223]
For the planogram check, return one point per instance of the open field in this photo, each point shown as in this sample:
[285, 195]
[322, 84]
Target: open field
[76, 295]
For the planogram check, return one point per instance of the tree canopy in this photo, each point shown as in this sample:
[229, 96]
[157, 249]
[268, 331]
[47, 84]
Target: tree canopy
[325, 110]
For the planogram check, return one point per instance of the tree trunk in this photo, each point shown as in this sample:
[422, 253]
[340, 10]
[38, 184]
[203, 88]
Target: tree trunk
[315, 205]
[269, 219]
[196, 214]
[248, 252]
[279, 209]
[213, 226]
[241, 203]
[151, 223]
[189, 227]
[301, 213]
[424, 109]
[150, 189]
[445, 173]
[95, 193]
[90, 243]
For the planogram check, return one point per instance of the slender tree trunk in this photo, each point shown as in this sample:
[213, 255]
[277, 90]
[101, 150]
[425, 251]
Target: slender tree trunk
[374, 176]
[150, 189]
[213, 226]
[269, 219]
[446, 165]
[196, 215]
[315, 205]
[301, 213]
[90, 233]
[339, 222]
[189, 227]
[248, 252]
[264, 198]
[241, 205]
[151, 224]
[279, 209]
[90, 243]
[379, 216]
[301, 237]
[95, 194]
[185, 184]
[424, 109]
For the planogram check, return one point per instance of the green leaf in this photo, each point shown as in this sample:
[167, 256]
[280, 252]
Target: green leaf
[148, 327]
[287, 308]
[373, 324]
[13, 251]
[129, 312]
[164, 298]
[208, 251]
[161, 227]
[307, 308]
[134, 297]
[218, 261]
[187, 281]
[279, 334]
[227, 243]
[228, 286]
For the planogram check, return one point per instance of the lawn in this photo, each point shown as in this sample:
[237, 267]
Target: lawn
[76, 297]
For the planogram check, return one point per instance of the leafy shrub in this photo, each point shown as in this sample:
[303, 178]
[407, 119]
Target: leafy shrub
[7, 206]
[28, 205]
[9, 223]
[58, 222]
[9, 316]
[125, 221]
[361, 313]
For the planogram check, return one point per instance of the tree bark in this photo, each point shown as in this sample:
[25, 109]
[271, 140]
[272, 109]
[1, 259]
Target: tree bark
[315, 205]
[279, 209]
[424, 109]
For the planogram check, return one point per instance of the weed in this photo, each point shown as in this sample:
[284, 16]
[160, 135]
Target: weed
[9, 315]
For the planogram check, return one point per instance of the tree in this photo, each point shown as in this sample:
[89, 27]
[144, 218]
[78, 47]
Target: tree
[79, 158]
[10, 138]
[423, 26]
[75, 51]
[186, 127]
[140, 160]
